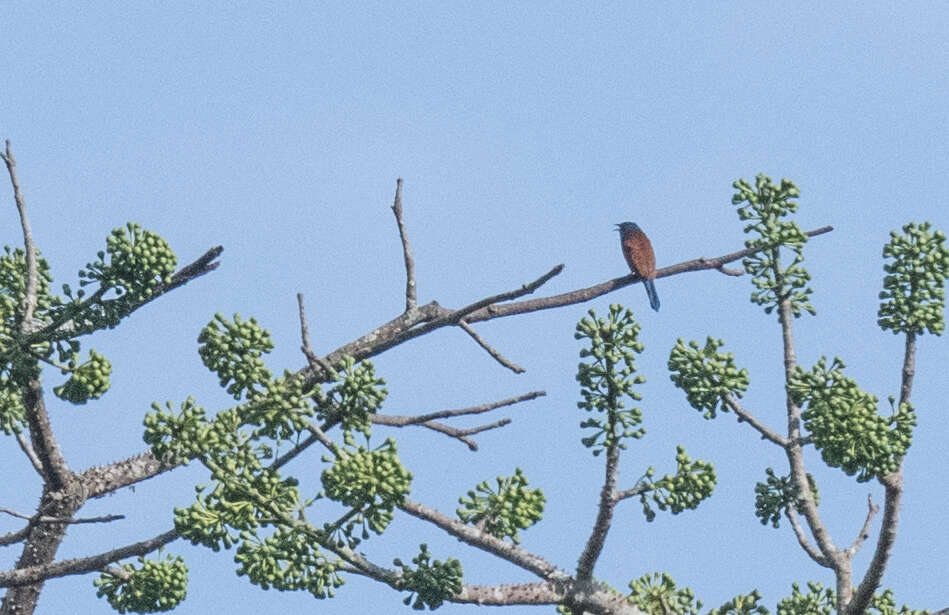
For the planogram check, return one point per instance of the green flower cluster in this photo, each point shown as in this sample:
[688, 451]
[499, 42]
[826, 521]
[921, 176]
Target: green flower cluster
[176, 438]
[232, 350]
[844, 424]
[742, 604]
[288, 560]
[657, 594]
[503, 511]
[707, 376]
[431, 582]
[774, 495]
[371, 482]
[156, 587]
[139, 261]
[913, 298]
[87, 381]
[354, 394]
[765, 205]
[280, 410]
[241, 500]
[822, 601]
[693, 482]
[606, 377]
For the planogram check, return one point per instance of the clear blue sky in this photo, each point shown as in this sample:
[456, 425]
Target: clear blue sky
[523, 133]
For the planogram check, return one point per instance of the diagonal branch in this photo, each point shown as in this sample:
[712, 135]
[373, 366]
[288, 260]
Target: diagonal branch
[803, 541]
[746, 417]
[872, 510]
[400, 421]
[83, 565]
[411, 290]
[604, 516]
[28, 303]
[507, 551]
[48, 519]
[514, 367]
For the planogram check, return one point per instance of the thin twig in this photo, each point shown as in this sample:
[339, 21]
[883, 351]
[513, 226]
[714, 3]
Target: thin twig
[514, 367]
[411, 290]
[399, 421]
[312, 358]
[47, 519]
[30, 454]
[28, 303]
[803, 541]
[448, 430]
[746, 417]
[872, 510]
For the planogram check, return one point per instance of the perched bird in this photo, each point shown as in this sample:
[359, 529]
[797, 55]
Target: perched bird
[639, 257]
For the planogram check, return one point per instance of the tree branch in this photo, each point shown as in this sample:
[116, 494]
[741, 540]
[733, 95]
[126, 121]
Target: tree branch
[514, 367]
[803, 541]
[893, 489]
[28, 303]
[82, 565]
[486, 542]
[47, 519]
[872, 510]
[411, 291]
[400, 421]
[746, 417]
[594, 546]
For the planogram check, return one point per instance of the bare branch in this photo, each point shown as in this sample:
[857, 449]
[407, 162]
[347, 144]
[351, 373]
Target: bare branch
[746, 417]
[473, 536]
[893, 488]
[400, 421]
[872, 510]
[587, 294]
[103, 480]
[14, 537]
[448, 430]
[803, 541]
[46, 519]
[82, 565]
[411, 290]
[28, 303]
[30, 454]
[314, 360]
[604, 516]
[514, 367]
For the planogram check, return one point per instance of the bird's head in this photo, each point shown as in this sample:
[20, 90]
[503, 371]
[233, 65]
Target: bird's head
[625, 227]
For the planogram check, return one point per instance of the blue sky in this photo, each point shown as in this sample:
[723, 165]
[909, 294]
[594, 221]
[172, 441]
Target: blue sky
[523, 133]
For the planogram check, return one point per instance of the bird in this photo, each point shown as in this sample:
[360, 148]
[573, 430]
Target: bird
[639, 256]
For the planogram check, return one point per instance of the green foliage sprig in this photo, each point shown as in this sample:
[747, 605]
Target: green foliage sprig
[355, 393]
[232, 349]
[774, 495]
[431, 582]
[87, 381]
[657, 594]
[765, 205]
[503, 510]
[819, 600]
[706, 375]
[371, 482]
[606, 378]
[288, 560]
[693, 482]
[156, 587]
[913, 299]
[742, 604]
[844, 424]
[139, 261]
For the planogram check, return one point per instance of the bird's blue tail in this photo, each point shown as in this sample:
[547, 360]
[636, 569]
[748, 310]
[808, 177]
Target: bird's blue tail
[651, 291]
